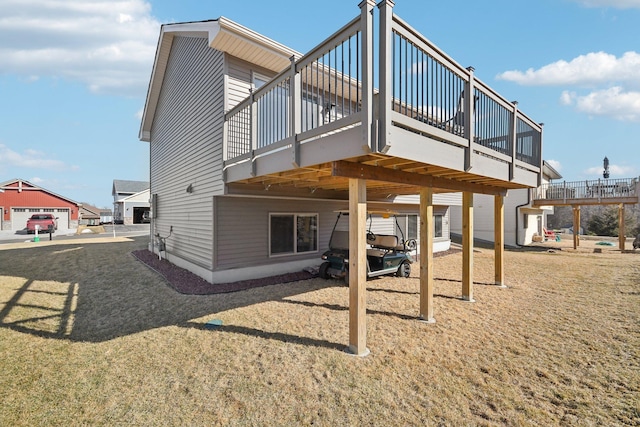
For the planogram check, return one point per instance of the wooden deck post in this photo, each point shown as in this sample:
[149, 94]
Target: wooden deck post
[357, 267]
[467, 246]
[576, 227]
[426, 255]
[621, 231]
[498, 229]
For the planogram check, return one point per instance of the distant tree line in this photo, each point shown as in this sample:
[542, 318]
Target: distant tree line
[598, 220]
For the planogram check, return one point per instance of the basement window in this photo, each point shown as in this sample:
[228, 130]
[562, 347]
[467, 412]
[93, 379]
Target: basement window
[292, 233]
[437, 223]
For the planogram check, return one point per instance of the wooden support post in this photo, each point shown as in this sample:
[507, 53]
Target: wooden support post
[576, 227]
[357, 267]
[498, 230]
[426, 255]
[467, 246]
[621, 231]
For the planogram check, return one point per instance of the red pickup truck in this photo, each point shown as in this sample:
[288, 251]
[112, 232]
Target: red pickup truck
[46, 223]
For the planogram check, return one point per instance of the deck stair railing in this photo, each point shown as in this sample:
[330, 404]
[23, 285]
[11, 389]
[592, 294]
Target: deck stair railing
[331, 89]
[598, 190]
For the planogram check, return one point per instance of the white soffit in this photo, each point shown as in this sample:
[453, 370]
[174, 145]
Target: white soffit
[250, 46]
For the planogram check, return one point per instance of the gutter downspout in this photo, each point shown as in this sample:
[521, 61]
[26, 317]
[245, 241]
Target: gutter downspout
[518, 216]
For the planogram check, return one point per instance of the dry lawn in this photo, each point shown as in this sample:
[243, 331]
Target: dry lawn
[88, 335]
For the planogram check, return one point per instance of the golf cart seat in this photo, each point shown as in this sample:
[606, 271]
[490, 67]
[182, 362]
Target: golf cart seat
[381, 245]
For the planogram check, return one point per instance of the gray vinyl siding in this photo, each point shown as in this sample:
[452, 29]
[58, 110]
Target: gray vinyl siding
[243, 229]
[240, 79]
[186, 149]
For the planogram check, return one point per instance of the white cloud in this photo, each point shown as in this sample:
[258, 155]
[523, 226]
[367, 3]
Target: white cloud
[611, 80]
[613, 102]
[614, 170]
[30, 158]
[107, 45]
[618, 4]
[589, 69]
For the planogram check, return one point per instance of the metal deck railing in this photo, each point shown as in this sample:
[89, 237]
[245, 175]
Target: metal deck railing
[597, 190]
[326, 91]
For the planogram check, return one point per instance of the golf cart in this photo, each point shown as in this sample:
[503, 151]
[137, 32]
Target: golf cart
[386, 253]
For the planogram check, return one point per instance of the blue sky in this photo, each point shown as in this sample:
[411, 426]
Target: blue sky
[74, 74]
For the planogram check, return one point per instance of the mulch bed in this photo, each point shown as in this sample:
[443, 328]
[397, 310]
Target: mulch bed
[185, 282]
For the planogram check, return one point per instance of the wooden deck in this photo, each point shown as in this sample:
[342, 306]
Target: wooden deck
[324, 127]
[589, 192]
[324, 111]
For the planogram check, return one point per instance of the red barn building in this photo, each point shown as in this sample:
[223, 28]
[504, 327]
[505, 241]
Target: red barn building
[19, 199]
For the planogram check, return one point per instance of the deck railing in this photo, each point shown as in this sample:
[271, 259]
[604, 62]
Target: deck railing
[597, 189]
[330, 89]
[430, 87]
[319, 94]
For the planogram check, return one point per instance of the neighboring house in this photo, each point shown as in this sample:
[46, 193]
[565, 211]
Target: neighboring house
[130, 201]
[19, 199]
[522, 220]
[240, 196]
[89, 215]
[106, 216]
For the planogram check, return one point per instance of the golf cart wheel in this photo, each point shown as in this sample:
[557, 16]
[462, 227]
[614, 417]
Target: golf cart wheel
[323, 270]
[404, 270]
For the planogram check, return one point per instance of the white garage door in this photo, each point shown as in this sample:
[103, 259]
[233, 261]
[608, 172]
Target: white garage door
[63, 217]
[19, 217]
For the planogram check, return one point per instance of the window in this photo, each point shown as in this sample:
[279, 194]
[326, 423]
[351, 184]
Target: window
[259, 80]
[437, 223]
[412, 227]
[293, 233]
[408, 226]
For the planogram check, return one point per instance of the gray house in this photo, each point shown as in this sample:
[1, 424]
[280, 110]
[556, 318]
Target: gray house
[130, 201]
[254, 146]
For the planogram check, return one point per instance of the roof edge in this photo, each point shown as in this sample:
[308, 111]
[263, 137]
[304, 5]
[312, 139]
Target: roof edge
[206, 29]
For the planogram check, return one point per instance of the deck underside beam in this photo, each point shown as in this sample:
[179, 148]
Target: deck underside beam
[376, 173]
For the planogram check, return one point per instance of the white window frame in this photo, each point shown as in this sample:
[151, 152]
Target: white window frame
[295, 233]
[258, 76]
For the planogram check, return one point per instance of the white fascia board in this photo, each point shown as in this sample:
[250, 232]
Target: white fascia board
[134, 197]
